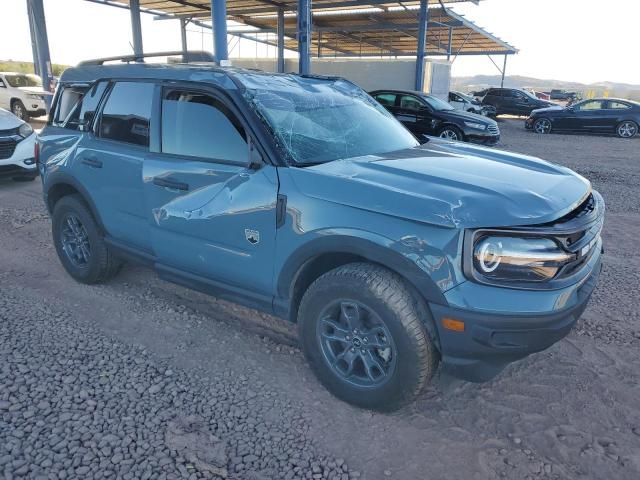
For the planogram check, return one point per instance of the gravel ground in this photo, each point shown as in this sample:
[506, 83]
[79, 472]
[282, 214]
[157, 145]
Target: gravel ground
[139, 378]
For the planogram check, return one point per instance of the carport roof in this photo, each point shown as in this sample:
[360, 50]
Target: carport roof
[347, 27]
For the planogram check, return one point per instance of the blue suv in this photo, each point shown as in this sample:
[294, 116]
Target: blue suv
[303, 197]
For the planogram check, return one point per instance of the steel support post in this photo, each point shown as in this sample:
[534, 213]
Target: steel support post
[423, 18]
[304, 36]
[504, 69]
[38, 27]
[219, 24]
[136, 27]
[281, 40]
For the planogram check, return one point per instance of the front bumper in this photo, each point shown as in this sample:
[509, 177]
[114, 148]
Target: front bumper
[484, 139]
[492, 340]
[20, 161]
[528, 123]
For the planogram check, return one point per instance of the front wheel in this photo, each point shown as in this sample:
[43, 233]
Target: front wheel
[627, 129]
[363, 337]
[19, 110]
[542, 126]
[451, 133]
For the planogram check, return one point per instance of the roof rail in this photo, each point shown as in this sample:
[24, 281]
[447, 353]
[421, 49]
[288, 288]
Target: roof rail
[192, 56]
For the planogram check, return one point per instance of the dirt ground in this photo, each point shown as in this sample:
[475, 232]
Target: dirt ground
[151, 354]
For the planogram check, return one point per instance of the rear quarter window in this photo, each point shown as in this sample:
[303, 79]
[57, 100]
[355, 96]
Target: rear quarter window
[77, 105]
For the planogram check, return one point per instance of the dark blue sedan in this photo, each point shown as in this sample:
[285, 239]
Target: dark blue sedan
[597, 115]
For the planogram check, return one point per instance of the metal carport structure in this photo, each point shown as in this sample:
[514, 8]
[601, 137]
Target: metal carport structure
[341, 28]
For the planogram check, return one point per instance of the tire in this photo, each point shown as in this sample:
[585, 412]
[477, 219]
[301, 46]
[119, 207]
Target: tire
[451, 132]
[399, 352]
[542, 126]
[19, 110]
[627, 129]
[97, 264]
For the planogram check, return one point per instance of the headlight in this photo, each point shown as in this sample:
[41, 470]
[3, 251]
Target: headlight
[25, 130]
[505, 258]
[477, 126]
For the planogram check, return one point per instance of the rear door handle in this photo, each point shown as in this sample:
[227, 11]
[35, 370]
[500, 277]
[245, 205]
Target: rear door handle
[92, 162]
[168, 183]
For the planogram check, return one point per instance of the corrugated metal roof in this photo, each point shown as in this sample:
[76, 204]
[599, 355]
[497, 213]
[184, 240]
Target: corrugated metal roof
[349, 28]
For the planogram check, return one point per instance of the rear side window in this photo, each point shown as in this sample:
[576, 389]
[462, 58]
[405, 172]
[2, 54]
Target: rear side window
[494, 93]
[618, 105]
[198, 125]
[89, 104]
[127, 112]
[386, 99]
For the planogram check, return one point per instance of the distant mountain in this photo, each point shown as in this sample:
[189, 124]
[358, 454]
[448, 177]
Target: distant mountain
[611, 89]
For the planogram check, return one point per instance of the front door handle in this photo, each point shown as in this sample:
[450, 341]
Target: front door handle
[92, 162]
[168, 183]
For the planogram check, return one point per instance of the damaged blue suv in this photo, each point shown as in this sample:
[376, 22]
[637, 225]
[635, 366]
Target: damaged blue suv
[303, 197]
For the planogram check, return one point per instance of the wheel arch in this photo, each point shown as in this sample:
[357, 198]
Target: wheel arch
[63, 185]
[319, 256]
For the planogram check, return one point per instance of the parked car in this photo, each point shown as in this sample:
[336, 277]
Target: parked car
[557, 94]
[513, 101]
[303, 197]
[23, 95]
[599, 115]
[466, 103]
[479, 94]
[17, 141]
[538, 94]
[425, 114]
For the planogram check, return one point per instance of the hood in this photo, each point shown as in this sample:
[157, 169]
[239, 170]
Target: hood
[8, 121]
[449, 184]
[462, 115]
[34, 90]
[554, 108]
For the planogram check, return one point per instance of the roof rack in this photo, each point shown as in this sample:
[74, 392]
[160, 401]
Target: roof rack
[192, 56]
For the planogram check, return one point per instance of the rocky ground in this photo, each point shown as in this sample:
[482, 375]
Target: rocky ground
[139, 378]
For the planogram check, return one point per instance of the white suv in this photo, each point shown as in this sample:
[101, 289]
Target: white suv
[17, 143]
[23, 95]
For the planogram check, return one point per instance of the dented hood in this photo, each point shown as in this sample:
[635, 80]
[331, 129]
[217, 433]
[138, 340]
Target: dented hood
[449, 184]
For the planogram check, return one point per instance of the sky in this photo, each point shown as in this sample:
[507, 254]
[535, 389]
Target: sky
[573, 40]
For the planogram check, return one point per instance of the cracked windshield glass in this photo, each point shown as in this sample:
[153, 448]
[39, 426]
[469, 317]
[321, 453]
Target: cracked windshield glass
[317, 120]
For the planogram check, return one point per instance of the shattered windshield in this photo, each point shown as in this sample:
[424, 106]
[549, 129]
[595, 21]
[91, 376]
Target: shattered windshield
[317, 120]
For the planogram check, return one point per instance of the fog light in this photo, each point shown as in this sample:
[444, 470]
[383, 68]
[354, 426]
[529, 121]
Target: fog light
[451, 324]
[29, 161]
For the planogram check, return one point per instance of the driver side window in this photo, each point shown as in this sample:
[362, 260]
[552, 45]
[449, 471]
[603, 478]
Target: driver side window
[592, 105]
[410, 102]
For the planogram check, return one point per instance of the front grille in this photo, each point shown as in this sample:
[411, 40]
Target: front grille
[7, 147]
[493, 129]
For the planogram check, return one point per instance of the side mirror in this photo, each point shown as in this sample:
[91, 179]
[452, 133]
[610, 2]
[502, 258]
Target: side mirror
[570, 108]
[422, 138]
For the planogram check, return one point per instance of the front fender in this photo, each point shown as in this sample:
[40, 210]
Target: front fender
[398, 256]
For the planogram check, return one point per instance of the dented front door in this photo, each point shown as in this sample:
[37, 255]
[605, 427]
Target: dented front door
[211, 216]
[213, 220]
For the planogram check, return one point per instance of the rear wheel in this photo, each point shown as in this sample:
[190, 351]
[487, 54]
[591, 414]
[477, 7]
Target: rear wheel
[19, 110]
[627, 129]
[451, 133]
[542, 126]
[80, 244]
[363, 337]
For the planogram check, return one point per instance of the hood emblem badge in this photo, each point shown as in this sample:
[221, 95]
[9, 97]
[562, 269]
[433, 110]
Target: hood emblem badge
[252, 236]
